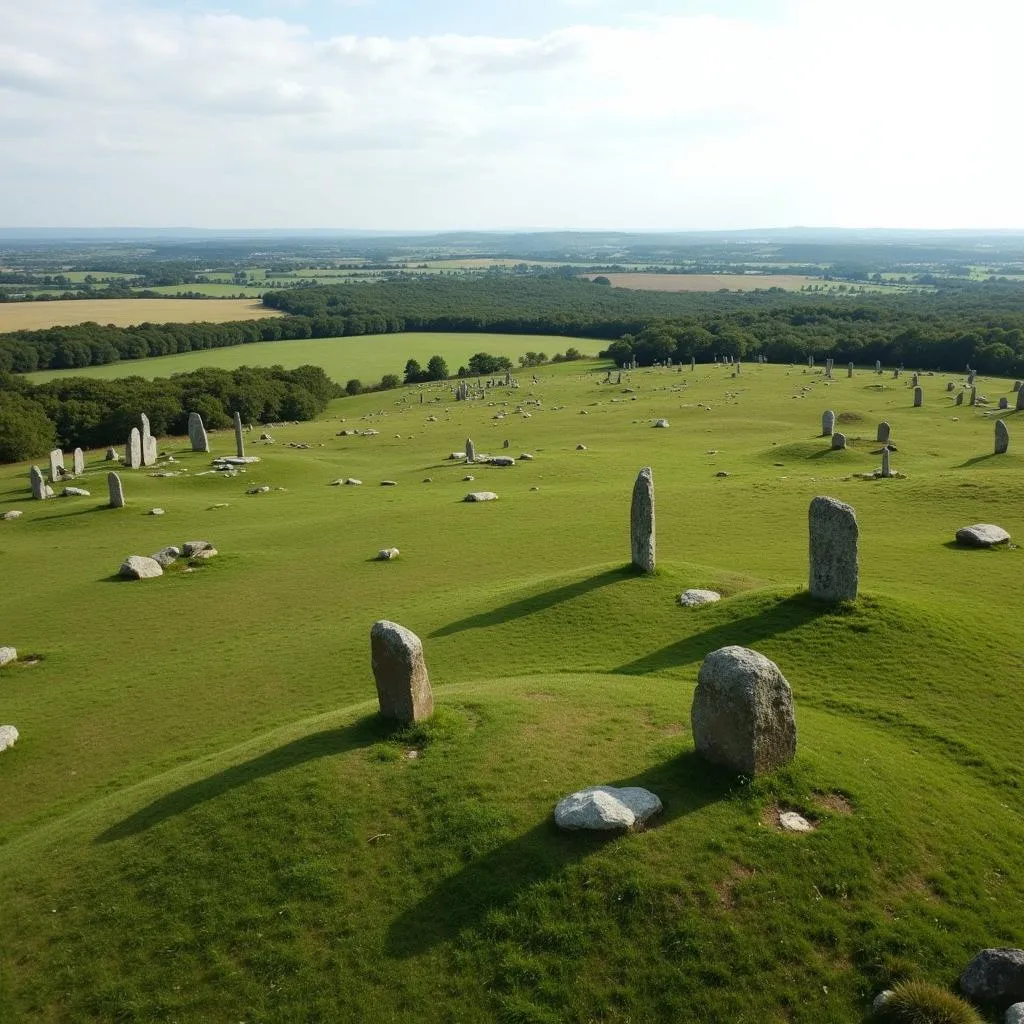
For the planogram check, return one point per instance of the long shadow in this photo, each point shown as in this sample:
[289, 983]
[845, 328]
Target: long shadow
[308, 748]
[977, 459]
[538, 602]
[685, 784]
[780, 617]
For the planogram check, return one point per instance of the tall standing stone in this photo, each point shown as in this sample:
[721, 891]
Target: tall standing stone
[878, 366]
[742, 714]
[833, 550]
[974, 396]
[56, 465]
[849, 369]
[79, 461]
[918, 397]
[959, 400]
[239, 438]
[38, 484]
[133, 450]
[693, 363]
[641, 521]
[970, 378]
[883, 432]
[403, 686]
[147, 441]
[886, 468]
[197, 433]
[828, 423]
[915, 380]
[1020, 399]
[470, 450]
[115, 490]
[1002, 438]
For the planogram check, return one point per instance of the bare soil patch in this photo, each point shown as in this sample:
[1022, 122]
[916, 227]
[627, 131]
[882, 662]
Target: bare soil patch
[34, 316]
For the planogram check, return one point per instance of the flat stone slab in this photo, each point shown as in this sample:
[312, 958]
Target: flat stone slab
[74, 492]
[8, 737]
[694, 598]
[210, 552]
[235, 460]
[790, 821]
[138, 567]
[481, 496]
[13, 514]
[981, 535]
[501, 460]
[604, 808]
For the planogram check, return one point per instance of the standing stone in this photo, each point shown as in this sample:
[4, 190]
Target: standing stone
[239, 439]
[1016, 385]
[1002, 438]
[974, 396]
[950, 386]
[914, 381]
[1020, 399]
[742, 713]
[133, 450]
[896, 373]
[828, 423]
[197, 433]
[849, 369]
[833, 550]
[147, 441]
[886, 469]
[693, 363]
[918, 397]
[838, 441]
[883, 432]
[79, 461]
[641, 521]
[970, 378]
[959, 400]
[35, 478]
[116, 490]
[878, 366]
[56, 465]
[470, 450]
[403, 686]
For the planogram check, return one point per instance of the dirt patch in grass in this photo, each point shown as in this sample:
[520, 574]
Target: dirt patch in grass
[849, 417]
[834, 802]
[726, 888]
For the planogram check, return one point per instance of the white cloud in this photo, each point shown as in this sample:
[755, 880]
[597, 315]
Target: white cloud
[896, 113]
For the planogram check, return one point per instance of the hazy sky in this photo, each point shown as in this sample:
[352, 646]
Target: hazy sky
[650, 114]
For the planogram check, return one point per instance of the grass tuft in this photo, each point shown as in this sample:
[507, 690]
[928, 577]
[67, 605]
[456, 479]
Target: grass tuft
[922, 1002]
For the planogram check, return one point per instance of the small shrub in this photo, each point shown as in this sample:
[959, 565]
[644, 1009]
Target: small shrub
[921, 1002]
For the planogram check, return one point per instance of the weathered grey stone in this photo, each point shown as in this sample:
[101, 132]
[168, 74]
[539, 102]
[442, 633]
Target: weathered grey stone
[641, 521]
[116, 490]
[1002, 438]
[262, 489]
[470, 450]
[886, 468]
[197, 435]
[995, 977]
[694, 597]
[1020, 400]
[37, 483]
[205, 554]
[882, 1000]
[918, 397]
[389, 483]
[352, 482]
[78, 460]
[403, 686]
[828, 423]
[790, 821]
[1004, 402]
[481, 496]
[974, 397]
[193, 547]
[1015, 1014]
[133, 450]
[239, 437]
[883, 432]
[981, 535]
[663, 424]
[742, 715]
[14, 513]
[8, 737]
[147, 441]
[156, 512]
[7, 655]
[604, 808]
[950, 386]
[112, 455]
[387, 554]
[138, 567]
[838, 441]
[56, 465]
[167, 556]
[74, 492]
[833, 550]
[959, 400]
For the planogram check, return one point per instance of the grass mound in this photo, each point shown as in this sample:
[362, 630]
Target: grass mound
[921, 1002]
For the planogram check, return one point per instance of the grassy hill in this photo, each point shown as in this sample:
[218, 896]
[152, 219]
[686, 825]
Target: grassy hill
[204, 821]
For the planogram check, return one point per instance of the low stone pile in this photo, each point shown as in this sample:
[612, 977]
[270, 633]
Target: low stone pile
[140, 567]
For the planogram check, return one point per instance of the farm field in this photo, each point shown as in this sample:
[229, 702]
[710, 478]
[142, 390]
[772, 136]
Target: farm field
[366, 357]
[31, 316]
[204, 820]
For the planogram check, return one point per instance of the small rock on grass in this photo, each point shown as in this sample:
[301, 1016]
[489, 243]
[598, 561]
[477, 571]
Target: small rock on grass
[481, 496]
[206, 553]
[387, 554]
[694, 597]
[138, 567]
[13, 514]
[790, 821]
[265, 489]
[995, 976]
[167, 556]
[156, 511]
[981, 535]
[193, 547]
[7, 655]
[603, 808]
[8, 736]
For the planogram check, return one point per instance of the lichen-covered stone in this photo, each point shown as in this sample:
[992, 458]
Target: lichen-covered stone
[838, 441]
[834, 571]
[981, 535]
[641, 521]
[403, 686]
[995, 976]
[197, 433]
[139, 567]
[605, 808]
[828, 423]
[133, 450]
[115, 490]
[1002, 438]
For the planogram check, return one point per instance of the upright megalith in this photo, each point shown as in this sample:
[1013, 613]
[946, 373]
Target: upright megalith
[828, 423]
[403, 686]
[742, 714]
[1002, 438]
[116, 490]
[833, 550]
[1020, 400]
[37, 483]
[56, 465]
[641, 521]
[918, 397]
[849, 369]
[470, 450]
[79, 461]
[883, 432]
[197, 433]
[239, 438]
[878, 366]
[133, 450]
[974, 396]
[147, 441]
[838, 441]
[959, 400]
[886, 467]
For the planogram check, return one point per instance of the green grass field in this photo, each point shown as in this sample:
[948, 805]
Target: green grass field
[367, 357]
[203, 819]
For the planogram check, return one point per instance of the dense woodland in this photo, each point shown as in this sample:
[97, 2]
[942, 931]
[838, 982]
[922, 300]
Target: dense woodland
[982, 324]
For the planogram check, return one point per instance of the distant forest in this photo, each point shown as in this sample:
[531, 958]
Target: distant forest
[979, 324]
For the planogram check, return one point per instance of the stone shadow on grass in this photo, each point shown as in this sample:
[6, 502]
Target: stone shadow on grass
[781, 616]
[326, 743]
[538, 602]
[496, 880]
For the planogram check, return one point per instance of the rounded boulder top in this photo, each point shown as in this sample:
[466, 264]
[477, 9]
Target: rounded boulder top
[981, 535]
[604, 808]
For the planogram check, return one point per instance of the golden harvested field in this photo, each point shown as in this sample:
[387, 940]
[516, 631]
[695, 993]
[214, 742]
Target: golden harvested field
[30, 316]
[707, 282]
